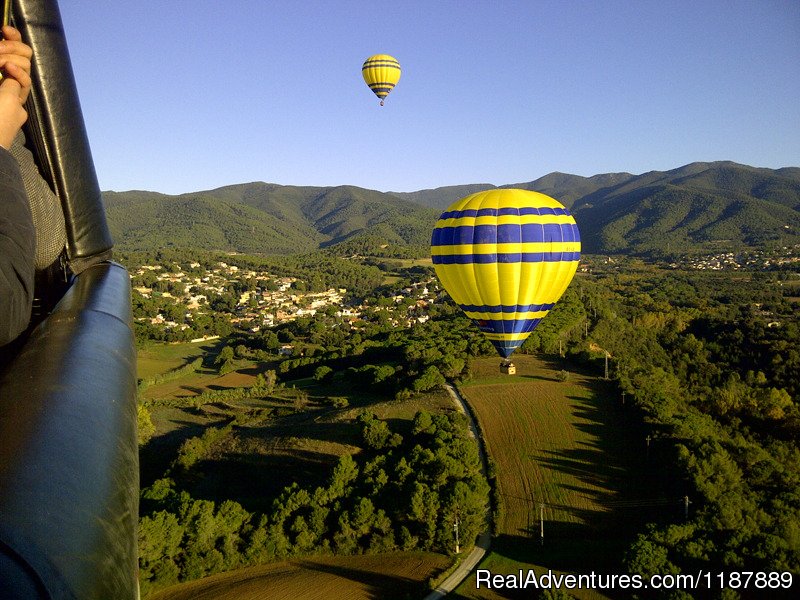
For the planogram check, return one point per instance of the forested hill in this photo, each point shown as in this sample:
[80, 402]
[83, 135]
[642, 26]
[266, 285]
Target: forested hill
[700, 207]
[713, 206]
[267, 218]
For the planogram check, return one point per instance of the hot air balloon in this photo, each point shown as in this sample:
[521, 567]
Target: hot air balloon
[506, 256]
[381, 73]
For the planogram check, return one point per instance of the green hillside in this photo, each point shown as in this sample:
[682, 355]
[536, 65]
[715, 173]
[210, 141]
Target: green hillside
[695, 208]
[264, 218]
[567, 189]
[699, 207]
[441, 198]
[143, 220]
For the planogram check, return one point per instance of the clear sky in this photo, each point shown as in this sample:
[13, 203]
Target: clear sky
[187, 95]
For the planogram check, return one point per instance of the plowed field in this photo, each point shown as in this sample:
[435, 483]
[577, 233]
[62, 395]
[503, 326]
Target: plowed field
[386, 577]
[561, 448]
[543, 435]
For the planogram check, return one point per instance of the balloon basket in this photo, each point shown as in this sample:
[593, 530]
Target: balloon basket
[508, 367]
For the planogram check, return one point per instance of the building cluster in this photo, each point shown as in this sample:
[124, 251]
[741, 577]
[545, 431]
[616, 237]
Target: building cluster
[751, 260]
[265, 306]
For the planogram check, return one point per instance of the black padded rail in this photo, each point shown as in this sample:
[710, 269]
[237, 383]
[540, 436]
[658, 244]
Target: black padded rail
[68, 449]
[60, 133]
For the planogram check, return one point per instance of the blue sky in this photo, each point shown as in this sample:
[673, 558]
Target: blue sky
[187, 95]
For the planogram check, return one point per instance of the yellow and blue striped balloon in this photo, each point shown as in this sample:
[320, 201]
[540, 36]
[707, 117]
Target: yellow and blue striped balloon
[381, 73]
[506, 256]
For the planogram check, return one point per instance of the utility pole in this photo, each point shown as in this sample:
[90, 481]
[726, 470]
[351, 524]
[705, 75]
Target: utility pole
[455, 528]
[560, 351]
[541, 523]
[606, 368]
[623, 398]
[648, 438]
[686, 508]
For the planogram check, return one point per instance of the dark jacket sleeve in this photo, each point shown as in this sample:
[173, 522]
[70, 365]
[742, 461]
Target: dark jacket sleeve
[17, 251]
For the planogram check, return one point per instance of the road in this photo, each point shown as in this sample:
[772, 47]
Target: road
[484, 539]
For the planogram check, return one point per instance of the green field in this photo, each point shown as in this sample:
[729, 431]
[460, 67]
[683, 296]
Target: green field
[569, 445]
[156, 358]
[415, 262]
[398, 576]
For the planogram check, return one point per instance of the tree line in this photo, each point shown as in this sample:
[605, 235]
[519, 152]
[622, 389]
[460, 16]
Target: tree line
[403, 492]
[714, 382]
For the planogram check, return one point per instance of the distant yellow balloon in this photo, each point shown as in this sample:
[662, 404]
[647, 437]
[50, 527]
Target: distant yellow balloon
[506, 256]
[381, 73]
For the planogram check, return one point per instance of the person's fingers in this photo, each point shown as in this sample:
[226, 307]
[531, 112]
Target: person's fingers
[11, 33]
[10, 85]
[12, 112]
[21, 61]
[15, 46]
[20, 48]
[20, 77]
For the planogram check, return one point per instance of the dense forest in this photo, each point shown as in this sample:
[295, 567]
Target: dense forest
[711, 362]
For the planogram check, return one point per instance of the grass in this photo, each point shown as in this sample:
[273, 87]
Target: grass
[158, 358]
[415, 262]
[568, 445]
[397, 576]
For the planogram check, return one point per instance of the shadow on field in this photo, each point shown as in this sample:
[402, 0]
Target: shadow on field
[258, 368]
[625, 482]
[256, 463]
[566, 547]
[192, 389]
[534, 378]
[253, 480]
[380, 586]
[305, 425]
[159, 452]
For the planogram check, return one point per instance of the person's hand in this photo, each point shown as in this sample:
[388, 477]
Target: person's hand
[12, 113]
[14, 52]
[15, 61]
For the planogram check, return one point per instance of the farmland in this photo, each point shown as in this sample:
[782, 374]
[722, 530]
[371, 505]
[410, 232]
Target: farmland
[397, 576]
[567, 445]
[155, 359]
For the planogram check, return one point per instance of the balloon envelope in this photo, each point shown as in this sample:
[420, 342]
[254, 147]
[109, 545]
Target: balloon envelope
[506, 256]
[381, 73]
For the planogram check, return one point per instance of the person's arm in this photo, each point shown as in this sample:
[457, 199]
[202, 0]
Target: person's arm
[17, 251]
[17, 235]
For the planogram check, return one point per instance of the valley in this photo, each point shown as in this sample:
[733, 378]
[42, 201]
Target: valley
[305, 432]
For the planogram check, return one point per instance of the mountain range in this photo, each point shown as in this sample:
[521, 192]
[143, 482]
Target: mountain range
[695, 208]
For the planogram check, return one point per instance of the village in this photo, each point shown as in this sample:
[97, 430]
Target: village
[754, 260]
[179, 298]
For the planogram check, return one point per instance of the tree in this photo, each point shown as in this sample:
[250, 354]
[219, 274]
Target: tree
[344, 474]
[160, 541]
[227, 367]
[146, 429]
[226, 354]
[430, 379]
[323, 373]
[265, 382]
